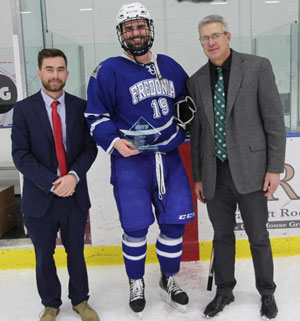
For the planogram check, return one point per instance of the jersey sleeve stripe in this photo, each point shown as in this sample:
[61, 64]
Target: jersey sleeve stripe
[97, 122]
[110, 148]
[166, 142]
[96, 115]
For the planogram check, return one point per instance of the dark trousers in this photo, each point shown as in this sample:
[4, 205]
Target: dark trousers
[65, 215]
[254, 212]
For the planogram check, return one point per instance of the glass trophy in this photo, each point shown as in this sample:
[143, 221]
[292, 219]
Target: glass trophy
[143, 135]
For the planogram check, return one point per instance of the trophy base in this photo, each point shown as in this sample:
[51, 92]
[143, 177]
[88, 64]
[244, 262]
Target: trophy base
[149, 148]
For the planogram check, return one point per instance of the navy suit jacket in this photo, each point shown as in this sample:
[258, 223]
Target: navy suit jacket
[33, 151]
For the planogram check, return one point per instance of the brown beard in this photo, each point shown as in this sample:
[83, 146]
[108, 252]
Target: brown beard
[130, 43]
[47, 85]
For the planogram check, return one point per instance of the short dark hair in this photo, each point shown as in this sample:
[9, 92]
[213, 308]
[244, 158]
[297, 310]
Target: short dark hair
[48, 53]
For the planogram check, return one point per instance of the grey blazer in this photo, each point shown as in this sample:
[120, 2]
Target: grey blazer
[255, 132]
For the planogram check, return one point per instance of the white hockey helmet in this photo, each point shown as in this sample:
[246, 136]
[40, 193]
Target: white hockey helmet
[130, 12]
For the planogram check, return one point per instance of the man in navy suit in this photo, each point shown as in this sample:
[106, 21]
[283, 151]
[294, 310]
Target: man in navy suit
[54, 198]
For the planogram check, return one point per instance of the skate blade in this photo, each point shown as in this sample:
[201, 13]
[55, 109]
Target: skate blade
[179, 307]
[208, 317]
[266, 319]
[139, 315]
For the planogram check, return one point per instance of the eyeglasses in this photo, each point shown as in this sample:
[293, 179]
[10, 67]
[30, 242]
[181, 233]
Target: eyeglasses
[214, 36]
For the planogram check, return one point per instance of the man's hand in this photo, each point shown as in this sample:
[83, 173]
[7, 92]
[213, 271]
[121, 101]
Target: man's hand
[198, 188]
[271, 183]
[125, 148]
[65, 186]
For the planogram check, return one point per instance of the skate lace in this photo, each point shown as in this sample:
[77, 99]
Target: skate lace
[136, 289]
[173, 287]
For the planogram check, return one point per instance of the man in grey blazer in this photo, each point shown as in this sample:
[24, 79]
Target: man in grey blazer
[237, 150]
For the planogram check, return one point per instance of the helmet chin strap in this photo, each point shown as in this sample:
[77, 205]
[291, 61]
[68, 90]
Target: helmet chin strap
[154, 60]
[139, 63]
[136, 51]
[135, 54]
[135, 58]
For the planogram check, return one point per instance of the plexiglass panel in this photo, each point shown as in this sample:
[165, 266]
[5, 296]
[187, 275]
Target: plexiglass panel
[75, 56]
[279, 45]
[33, 41]
[85, 29]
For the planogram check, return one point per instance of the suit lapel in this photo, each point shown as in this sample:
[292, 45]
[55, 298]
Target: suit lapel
[205, 91]
[70, 114]
[41, 112]
[235, 80]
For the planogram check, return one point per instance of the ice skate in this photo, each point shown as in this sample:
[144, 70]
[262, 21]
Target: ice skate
[172, 293]
[137, 300]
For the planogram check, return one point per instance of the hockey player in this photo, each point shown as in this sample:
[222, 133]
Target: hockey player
[130, 113]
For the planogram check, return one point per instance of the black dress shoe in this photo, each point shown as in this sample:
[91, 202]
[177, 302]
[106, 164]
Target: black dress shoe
[269, 308]
[217, 304]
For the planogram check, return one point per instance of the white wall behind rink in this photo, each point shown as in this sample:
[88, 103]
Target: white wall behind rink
[284, 213]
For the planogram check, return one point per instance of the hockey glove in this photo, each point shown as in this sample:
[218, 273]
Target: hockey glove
[184, 110]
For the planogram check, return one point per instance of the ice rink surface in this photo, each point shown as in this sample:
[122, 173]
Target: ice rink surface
[109, 293]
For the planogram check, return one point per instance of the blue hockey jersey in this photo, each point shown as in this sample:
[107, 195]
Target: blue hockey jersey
[124, 96]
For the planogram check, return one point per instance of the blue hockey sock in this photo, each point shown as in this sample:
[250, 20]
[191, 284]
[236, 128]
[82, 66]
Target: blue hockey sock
[169, 251]
[134, 254]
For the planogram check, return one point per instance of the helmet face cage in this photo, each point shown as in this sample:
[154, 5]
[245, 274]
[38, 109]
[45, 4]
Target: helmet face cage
[127, 44]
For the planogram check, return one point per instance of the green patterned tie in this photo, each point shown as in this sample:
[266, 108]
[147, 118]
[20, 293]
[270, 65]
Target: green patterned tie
[220, 116]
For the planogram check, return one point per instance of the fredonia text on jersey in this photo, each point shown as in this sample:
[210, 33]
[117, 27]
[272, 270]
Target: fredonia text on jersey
[150, 88]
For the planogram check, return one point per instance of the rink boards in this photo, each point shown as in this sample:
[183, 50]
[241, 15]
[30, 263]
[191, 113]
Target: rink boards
[105, 231]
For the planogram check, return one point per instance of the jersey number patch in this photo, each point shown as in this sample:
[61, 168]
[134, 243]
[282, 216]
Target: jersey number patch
[160, 106]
